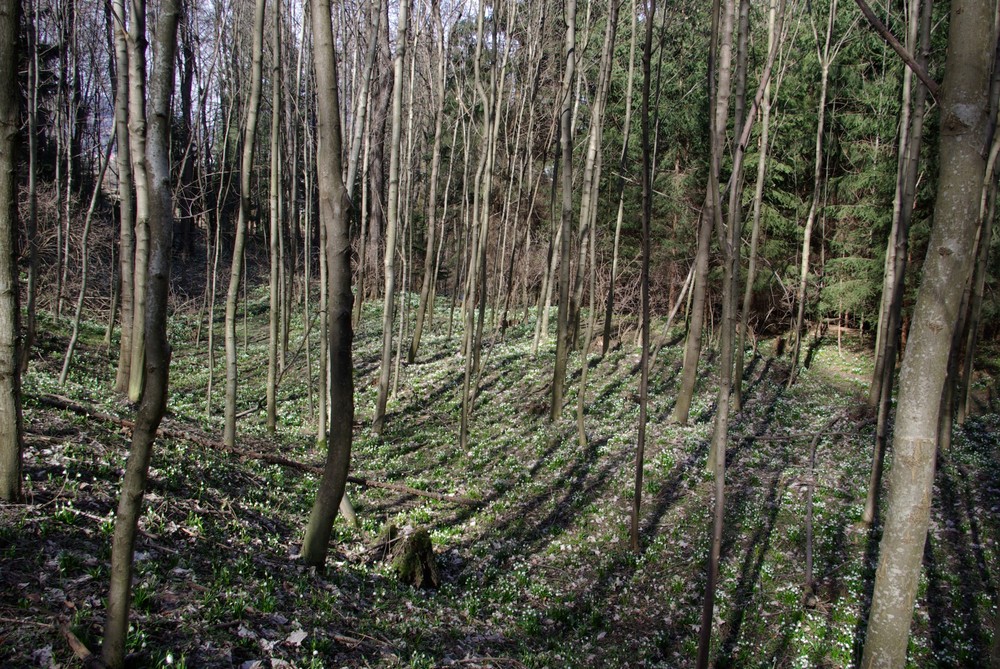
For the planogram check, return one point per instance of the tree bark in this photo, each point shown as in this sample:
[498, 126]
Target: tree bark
[333, 210]
[566, 219]
[157, 355]
[276, 302]
[949, 261]
[136, 38]
[392, 223]
[126, 198]
[893, 299]
[647, 195]
[10, 377]
[239, 243]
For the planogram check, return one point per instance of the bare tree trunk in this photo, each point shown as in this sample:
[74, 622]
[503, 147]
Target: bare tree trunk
[275, 227]
[893, 299]
[136, 39]
[239, 243]
[157, 358]
[32, 219]
[609, 305]
[826, 56]
[711, 214]
[430, 276]
[334, 214]
[647, 208]
[566, 144]
[10, 377]
[964, 104]
[588, 204]
[392, 224]
[85, 255]
[775, 25]
[729, 243]
[126, 198]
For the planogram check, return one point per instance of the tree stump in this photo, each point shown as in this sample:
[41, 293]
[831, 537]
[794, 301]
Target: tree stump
[412, 558]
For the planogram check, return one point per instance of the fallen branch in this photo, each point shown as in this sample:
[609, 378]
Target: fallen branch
[59, 402]
[90, 661]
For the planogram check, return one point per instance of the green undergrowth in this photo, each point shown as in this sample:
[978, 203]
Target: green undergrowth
[536, 571]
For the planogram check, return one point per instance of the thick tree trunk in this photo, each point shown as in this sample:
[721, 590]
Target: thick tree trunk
[239, 243]
[334, 204]
[157, 357]
[964, 104]
[10, 377]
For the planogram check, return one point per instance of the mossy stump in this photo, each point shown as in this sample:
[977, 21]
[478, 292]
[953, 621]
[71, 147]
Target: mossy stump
[412, 558]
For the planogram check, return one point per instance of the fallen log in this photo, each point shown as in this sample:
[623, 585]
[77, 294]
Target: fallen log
[206, 441]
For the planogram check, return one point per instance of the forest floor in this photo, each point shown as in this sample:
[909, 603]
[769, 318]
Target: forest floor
[536, 570]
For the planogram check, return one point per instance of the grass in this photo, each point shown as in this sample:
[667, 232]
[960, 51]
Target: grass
[538, 574]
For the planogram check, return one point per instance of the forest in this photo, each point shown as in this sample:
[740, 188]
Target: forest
[499, 333]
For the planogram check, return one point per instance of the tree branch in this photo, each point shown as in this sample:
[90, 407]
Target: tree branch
[891, 40]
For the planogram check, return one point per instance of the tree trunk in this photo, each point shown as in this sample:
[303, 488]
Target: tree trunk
[964, 104]
[136, 38]
[32, 219]
[588, 205]
[239, 243]
[84, 267]
[333, 212]
[276, 289]
[566, 219]
[729, 243]
[647, 197]
[775, 25]
[126, 198]
[392, 224]
[10, 377]
[826, 56]
[157, 357]
[906, 185]
[426, 287]
[609, 305]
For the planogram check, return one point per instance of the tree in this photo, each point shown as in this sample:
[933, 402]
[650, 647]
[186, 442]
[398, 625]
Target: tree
[236, 268]
[10, 377]
[393, 223]
[566, 217]
[157, 353]
[126, 197]
[947, 266]
[647, 196]
[333, 211]
[137, 126]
